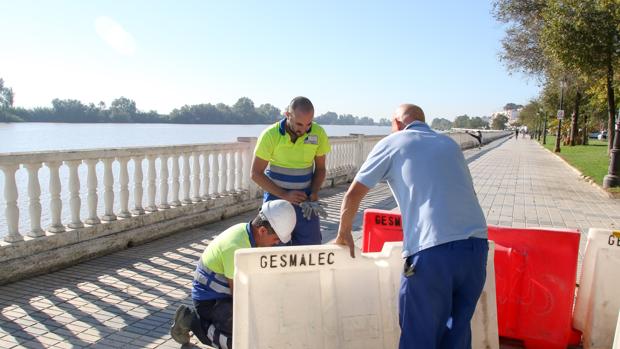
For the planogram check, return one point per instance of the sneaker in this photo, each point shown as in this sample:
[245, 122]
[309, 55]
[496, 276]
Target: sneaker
[181, 325]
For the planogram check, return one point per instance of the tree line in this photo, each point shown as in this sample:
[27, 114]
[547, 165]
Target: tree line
[572, 48]
[124, 110]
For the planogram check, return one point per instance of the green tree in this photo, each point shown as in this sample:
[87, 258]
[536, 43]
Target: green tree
[441, 124]
[477, 122]
[461, 121]
[122, 109]
[585, 36]
[268, 113]
[499, 123]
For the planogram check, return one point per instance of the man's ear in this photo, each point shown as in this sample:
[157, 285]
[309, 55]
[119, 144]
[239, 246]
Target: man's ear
[262, 231]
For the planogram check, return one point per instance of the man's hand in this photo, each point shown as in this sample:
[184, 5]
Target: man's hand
[346, 239]
[295, 197]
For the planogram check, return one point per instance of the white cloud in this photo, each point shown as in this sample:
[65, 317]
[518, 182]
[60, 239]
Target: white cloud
[115, 35]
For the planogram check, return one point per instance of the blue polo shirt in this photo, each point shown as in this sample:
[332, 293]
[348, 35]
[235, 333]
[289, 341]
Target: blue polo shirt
[431, 183]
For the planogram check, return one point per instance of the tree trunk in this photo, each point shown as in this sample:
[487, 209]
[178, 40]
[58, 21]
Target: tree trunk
[585, 129]
[611, 107]
[573, 126]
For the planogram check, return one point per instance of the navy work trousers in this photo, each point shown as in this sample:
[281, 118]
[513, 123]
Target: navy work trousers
[437, 300]
[213, 321]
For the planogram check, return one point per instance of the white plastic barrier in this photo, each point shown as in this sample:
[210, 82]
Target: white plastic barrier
[319, 297]
[597, 304]
[617, 336]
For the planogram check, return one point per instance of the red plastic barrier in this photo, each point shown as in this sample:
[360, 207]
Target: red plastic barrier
[380, 226]
[535, 271]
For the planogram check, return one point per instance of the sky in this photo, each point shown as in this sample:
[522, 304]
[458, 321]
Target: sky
[350, 57]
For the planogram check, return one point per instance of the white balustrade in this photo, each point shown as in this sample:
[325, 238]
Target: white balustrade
[224, 173]
[196, 177]
[34, 196]
[137, 189]
[216, 174]
[186, 180]
[224, 170]
[205, 175]
[151, 178]
[74, 193]
[163, 182]
[108, 191]
[10, 197]
[123, 179]
[55, 203]
[238, 171]
[91, 183]
[175, 182]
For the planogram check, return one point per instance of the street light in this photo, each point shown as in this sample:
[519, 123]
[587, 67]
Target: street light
[560, 116]
[612, 179]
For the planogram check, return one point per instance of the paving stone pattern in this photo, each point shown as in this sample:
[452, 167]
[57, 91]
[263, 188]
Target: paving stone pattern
[126, 299]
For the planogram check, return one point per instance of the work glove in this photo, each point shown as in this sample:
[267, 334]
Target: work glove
[308, 208]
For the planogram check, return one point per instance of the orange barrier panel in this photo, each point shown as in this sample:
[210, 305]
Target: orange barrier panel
[535, 272]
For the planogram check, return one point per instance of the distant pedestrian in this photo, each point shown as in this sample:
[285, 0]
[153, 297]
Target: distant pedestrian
[478, 136]
[516, 133]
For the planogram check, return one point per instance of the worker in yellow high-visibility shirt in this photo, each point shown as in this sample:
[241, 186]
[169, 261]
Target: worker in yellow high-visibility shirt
[289, 164]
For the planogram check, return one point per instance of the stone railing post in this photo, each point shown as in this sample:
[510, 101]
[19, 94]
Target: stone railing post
[205, 175]
[175, 202]
[55, 202]
[215, 174]
[75, 202]
[91, 183]
[108, 191]
[123, 179]
[34, 196]
[224, 173]
[138, 190]
[186, 179]
[196, 177]
[10, 197]
[248, 156]
[163, 182]
[151, 179]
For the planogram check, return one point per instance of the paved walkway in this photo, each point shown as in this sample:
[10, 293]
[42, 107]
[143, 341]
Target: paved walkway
[126, 300]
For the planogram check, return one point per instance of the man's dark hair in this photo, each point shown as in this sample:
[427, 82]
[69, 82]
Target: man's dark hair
[261, 221]
[300, 103]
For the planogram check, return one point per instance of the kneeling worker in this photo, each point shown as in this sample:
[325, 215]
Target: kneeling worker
[211, 317]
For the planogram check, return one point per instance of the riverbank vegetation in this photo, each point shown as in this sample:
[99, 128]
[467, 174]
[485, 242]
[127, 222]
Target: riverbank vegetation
[124, 110]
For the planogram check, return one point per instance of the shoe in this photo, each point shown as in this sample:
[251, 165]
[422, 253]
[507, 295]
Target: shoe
[181, 325]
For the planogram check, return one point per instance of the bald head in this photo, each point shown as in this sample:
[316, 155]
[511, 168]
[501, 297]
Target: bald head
[406, 114]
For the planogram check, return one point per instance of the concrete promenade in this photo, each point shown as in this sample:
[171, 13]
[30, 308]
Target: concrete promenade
[126, 300]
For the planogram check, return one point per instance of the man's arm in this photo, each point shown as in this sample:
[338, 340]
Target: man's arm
[230, 284]
[320, 172]
[258, 176]
[350, 205]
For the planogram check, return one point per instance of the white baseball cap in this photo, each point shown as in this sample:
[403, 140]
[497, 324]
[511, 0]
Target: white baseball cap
[281, 217]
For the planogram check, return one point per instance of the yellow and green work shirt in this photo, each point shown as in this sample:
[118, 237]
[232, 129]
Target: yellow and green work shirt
[291, 165]
[217, 263]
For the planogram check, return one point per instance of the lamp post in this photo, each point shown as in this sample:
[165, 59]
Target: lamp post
[560, 117]
[612, 179]
[544, 127]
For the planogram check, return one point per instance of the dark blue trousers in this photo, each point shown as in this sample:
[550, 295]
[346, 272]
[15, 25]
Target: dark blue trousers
[438, 300]
[306, 232]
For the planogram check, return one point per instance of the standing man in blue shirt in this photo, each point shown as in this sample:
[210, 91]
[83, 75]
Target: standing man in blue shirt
[445, 233]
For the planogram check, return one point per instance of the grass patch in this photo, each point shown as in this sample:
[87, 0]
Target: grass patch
[591, 160]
